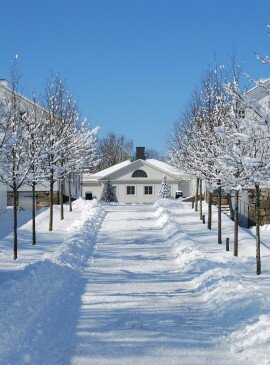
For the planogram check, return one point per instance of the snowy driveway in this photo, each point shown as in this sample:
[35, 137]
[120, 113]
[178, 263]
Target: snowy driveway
[135, 285]
[137, 307]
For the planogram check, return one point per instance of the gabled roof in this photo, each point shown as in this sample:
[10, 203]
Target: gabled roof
[166, 168]
[260, 90]
[110, 170]
[156, 164]
[5, 89]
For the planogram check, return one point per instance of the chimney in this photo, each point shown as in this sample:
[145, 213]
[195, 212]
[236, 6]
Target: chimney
[4, 83]
[140, 155]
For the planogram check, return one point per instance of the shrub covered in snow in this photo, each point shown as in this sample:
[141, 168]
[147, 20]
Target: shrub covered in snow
[108, 194]
[165, 190]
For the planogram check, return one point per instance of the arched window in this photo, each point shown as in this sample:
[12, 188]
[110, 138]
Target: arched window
[139, 173]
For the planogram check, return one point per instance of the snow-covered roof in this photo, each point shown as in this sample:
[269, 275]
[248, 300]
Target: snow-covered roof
[110, 170]
[166, 168]
[4, 88]
[159, 165]
[260, 90]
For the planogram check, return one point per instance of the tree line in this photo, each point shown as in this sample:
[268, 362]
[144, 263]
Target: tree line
[43, 140]
[223, 139]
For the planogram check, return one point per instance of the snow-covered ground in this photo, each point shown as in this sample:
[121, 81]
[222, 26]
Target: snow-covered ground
[151, 286]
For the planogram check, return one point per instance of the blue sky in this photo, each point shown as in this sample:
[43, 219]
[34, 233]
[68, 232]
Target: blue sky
[132, 65]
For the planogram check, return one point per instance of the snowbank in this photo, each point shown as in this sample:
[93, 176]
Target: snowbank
[254, 339]
[23, 301]
[229, 296]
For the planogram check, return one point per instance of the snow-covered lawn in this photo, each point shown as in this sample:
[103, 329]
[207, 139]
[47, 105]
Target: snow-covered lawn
[46, 241]
[151, 286]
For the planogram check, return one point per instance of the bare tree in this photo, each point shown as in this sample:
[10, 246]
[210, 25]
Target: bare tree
[113, 149]
[152, 153]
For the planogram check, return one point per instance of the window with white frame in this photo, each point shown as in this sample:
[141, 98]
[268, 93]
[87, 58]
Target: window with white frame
[148, 190]
[130, 190]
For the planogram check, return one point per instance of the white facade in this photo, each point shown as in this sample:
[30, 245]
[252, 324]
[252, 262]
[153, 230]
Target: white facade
[3, 197]
[129, 189]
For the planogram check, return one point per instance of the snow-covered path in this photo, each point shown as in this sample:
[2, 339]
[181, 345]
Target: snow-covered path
[137, 307]
[134, 285]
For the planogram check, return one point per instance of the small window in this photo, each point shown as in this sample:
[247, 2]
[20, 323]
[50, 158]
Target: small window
[148, 190]
[139, 173]
[242, 113]
[130, 190]
[114, 190]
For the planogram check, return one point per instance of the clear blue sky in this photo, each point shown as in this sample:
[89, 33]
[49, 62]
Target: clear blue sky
[131, 64]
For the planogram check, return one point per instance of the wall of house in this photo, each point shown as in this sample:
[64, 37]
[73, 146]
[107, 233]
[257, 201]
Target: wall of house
[121, 190]
[122, 179]
[3, 197]
[42, 193]
[25, 199]
[92, 188]
[186, 188]
[75, 180]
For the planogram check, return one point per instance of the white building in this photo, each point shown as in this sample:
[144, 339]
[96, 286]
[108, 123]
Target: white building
[137, 181]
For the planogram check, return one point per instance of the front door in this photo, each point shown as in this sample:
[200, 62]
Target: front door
[88, 196]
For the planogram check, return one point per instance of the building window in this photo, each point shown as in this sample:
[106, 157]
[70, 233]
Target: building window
[148, 190]
[130, 190]
[242, 113]
[139, 173]
[114, 190]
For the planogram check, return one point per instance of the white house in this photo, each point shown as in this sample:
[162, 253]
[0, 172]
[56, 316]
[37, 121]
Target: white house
[137, 181]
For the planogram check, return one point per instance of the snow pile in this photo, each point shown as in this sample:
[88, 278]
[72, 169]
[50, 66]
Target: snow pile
[48, 281]
[254, 340]
[79, 245]
[81, 204]
[187, 254]
[162, 212]
[228, 295]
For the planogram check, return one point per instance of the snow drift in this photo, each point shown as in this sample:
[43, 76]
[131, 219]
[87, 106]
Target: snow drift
[229, 296]
[48, 281]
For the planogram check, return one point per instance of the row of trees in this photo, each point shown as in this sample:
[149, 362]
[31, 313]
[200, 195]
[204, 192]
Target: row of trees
[42, 141]
[223, 138]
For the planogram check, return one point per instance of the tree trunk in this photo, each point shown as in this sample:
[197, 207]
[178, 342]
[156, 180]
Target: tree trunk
[34, 213]
[69, 193]
[229, 198]
[201, 212]
[196, 195]
[219, 213]
[236, 216]
[51, 203]
[15, 223]
[209, 226]
[61, 192]
[258, 239]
